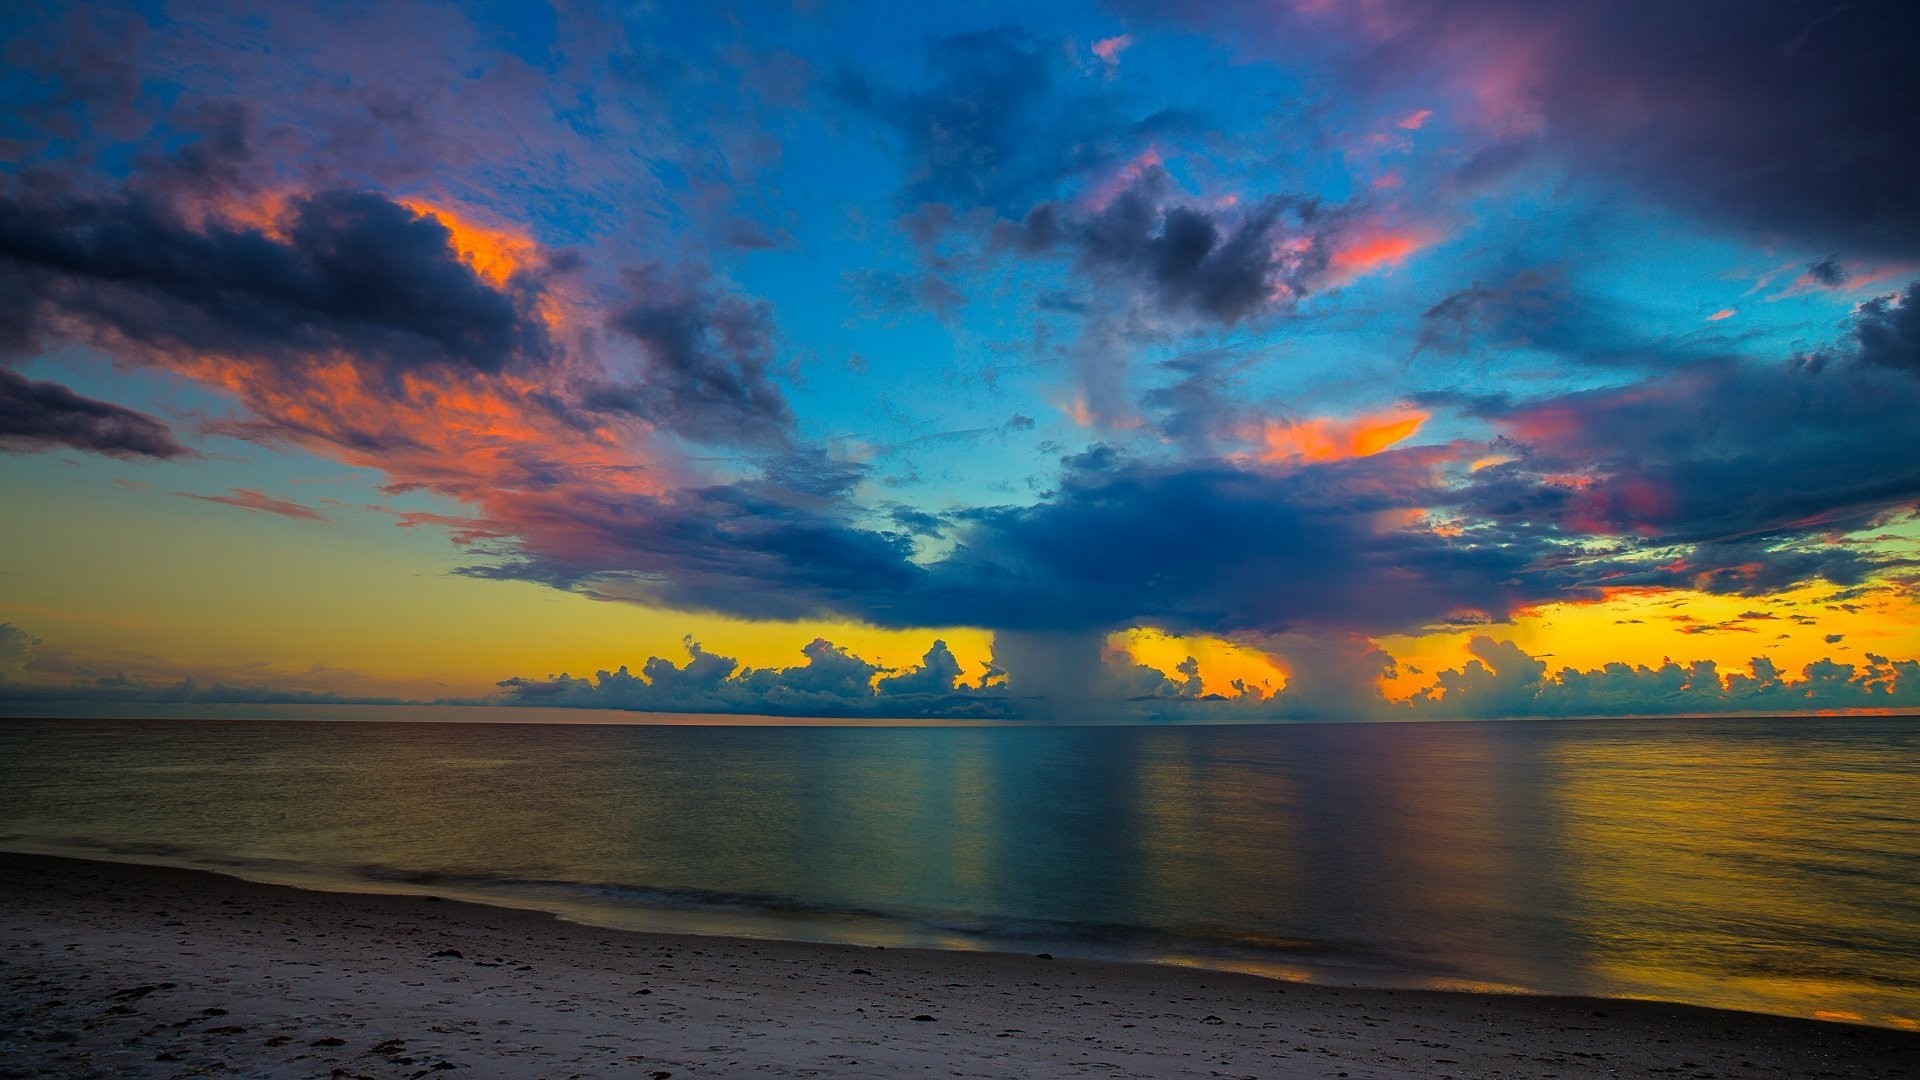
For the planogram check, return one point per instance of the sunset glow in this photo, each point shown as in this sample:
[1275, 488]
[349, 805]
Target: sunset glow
[998, 363]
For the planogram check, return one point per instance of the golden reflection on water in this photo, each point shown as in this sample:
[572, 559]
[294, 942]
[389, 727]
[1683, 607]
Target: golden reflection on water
[1190, 799]
[1768, 865]
[1711, 872]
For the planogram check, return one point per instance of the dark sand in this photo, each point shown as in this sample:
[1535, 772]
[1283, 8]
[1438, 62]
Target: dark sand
[116, 970]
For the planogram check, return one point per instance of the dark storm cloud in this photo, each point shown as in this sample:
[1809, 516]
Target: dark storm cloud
[354, 274]
[44, 415]
[1221, 549]
[1798, 119]
[755, 548]
[1734, 475]
[1210, 546]
[708, 354]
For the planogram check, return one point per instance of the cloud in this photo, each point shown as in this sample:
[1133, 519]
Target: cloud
[325, 260]
[1819, 93]
[1221, 260]
[1220, 549]
[1331, 439]
[1731, 477]
[1753, 467]
[992, 126]
[16, 647]
[1502, 680]
[394, 335]
[30, 675]
[341, 273]
[1827, 272]
[1108, 49]
[1886, 330]
[109, 689]
[708, 354]
[43, 415]
[1032, 677]
[936, 675]
[1220, 265]
[259, 502]
[1538, 308]
[832, 682]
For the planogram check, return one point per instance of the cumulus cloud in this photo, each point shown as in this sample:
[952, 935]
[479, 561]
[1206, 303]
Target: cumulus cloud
[16, 647]
[832, 682]
[1503, 680]
[1069, 677]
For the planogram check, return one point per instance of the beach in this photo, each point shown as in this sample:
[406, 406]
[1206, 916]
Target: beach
[113, 969]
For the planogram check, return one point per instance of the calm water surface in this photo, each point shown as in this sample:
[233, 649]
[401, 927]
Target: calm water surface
[1761, 864]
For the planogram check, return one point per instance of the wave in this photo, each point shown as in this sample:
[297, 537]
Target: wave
[673, 909]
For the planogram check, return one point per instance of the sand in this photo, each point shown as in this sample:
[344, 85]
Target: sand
[118, 970]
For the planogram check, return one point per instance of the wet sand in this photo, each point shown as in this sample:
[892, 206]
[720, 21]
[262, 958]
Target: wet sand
[116, 970]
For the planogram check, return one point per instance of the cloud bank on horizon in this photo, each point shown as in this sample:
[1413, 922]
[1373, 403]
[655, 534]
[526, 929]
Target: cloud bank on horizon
[1327, 335]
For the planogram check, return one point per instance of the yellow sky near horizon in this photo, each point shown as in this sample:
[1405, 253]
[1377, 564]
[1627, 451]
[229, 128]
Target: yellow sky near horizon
[158, 587]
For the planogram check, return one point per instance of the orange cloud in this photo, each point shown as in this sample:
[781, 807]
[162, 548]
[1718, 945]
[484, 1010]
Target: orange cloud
[1227, 668]
[479, 438]
[1723, 313]
[1370, 249]
[1333, 439]
[495, 253]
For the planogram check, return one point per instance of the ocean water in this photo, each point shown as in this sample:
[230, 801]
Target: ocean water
[1762, 864]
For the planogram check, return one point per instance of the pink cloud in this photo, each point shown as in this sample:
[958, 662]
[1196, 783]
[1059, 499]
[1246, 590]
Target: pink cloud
[1129, 174]
[1109, 49]
[260, 502]
[1376, 247]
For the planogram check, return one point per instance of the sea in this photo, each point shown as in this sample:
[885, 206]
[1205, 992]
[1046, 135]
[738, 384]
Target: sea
[1763, 864]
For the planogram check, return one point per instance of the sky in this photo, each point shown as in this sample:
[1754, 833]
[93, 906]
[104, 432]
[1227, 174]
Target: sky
[1043, 361]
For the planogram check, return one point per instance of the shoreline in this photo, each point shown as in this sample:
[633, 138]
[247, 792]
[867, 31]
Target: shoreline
[118, 968]
[855, 930]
